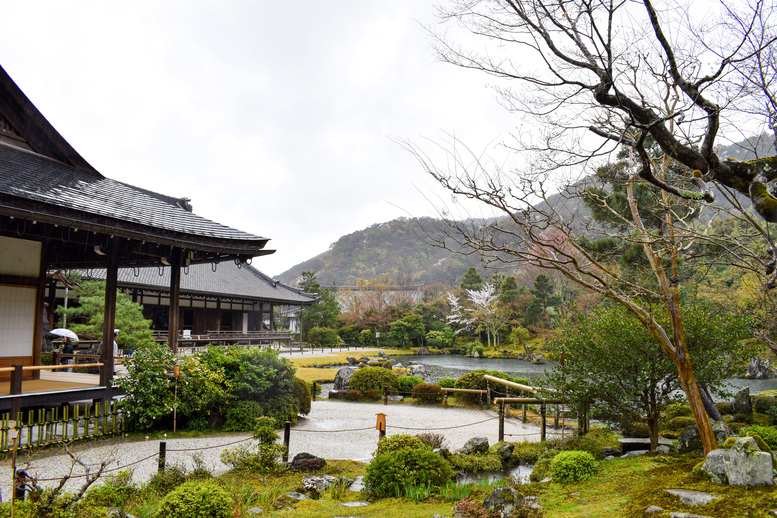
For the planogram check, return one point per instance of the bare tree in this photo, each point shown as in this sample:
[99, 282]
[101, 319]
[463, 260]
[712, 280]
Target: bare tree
[587, 77]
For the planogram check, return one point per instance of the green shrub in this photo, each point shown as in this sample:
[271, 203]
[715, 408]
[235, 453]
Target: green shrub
[767, 433]
[635, 429]
[303, 395]
[594, 442]
[260, 459]
[541, 469]
[475, 380]
[241, 416]
[406, 384]
[428, 394]
[677, 410]
[725, 408]
[197, 499]
[527, 452]
[150, 396]
[389, 474]
[474, 463]
[116, 491]
[447, 383]
[400, 441]
[743, 418]
[763, 404]
[759, 441]
[680, 423]
[163, 482]
[374, 378]
[569, 466]
[323, 336]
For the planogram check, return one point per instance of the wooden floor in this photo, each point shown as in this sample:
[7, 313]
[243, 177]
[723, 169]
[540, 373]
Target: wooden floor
[52, 381]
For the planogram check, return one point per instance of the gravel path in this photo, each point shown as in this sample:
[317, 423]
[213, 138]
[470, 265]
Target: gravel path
[333, 430]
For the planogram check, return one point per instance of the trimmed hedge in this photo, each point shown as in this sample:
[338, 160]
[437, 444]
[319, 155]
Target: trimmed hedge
[374, 378]
[428, 394]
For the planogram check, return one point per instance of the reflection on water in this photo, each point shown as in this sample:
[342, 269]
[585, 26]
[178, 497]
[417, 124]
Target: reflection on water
[454, 366]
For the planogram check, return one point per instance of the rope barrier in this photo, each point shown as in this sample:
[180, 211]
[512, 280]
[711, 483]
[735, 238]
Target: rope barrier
[447, 427]
[104, 471]
[212, 447]
[335, 431]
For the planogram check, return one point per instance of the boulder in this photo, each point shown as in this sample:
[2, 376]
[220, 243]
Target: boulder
[757, 370]
[742, 403]
[690, 440]
[343, 377]
[504, 500]
[418, 370]
[318, 483]
[307, 462]
[538, 359]
[742, 465]
[641, 443]
[690, 497]
[351, 360]
[383, 355]
[505, 451]
[476, 445]
[423, 350]
[611, 452]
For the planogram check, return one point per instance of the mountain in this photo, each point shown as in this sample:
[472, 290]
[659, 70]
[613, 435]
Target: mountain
[400, 248]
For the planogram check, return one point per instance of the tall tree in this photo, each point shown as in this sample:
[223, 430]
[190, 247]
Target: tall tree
[472, 280]
[592, 77]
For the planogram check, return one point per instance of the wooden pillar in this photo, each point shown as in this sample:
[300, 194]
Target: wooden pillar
[40, 298]
[109, 317]
[174, 315]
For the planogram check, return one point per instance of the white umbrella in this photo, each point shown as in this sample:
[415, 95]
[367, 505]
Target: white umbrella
[65, 333]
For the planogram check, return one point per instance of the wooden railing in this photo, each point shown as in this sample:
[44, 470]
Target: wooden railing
[40, 428]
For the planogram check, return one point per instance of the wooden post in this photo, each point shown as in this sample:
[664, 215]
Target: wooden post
[315, 389]
[55, 358]
[501, 421]
[555, 419]
[445, 401]
[523, 413]
[286, 440]
[174, 314]
[385, 395]
[16, 388]
[488, 391]
[544, 423]
[381, 426]
[109, 316]
[162, 457]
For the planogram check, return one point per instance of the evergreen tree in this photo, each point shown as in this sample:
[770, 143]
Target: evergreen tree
[472, 280]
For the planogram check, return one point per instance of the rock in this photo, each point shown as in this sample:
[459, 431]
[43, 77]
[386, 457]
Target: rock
[358, 484]
[663, 448]
[476, 445]
[641, 443]
[297, 496]
[504, 500]
[383, 355]
[343, 377]
[254, 511]
[505, 353]
[318, 483]
[531, 501]
[756, 370]
[611, 452]
[653, 509]
[351, 360]
[686, 515]
[742, 403]
[690, 440]
[742, 465]
[505, 451]
[375, 362]
[307, 462]
[418, 370]
[690, 497]
[634, 453]
[423, 350]
[538, 359]
[395, 399]
[361, 503]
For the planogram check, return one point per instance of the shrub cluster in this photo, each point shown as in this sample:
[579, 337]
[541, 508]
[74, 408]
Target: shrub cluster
[390, 474]
[406, 384]
[428, 394]
[569, 466]
[374, 378]
[195, 499]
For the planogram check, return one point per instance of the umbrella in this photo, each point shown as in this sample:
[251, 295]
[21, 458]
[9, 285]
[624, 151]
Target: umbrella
[65, 332]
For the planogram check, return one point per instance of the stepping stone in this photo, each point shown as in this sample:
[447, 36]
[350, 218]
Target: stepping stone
[686, 515]
[356, 504]
[692, 497]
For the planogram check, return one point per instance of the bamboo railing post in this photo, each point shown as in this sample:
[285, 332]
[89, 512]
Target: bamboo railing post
[501, 421]
[544, 423]
[286, 440]
[162, 457]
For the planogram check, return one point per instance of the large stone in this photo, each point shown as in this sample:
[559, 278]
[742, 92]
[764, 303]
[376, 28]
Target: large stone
[690, 440]
[538, 359]
[307, 462]
[318, 483]
[343, 377]
[690, 497]
[504, 501]
[476, 445]
[418, 370]
[505, 451]
[742, 402]
[641, 443]
[742, 465]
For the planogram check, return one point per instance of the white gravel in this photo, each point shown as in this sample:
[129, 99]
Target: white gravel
[333, 430]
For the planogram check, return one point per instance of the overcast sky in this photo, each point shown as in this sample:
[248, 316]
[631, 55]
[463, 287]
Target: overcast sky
[279, 118]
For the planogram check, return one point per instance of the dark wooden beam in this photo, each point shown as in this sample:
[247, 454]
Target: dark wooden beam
[109, 319]
[173, 317]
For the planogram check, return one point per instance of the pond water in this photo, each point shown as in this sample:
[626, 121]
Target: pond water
[454, 366]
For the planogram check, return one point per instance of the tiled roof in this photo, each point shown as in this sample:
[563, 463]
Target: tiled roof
[228, 281]
[56, 187]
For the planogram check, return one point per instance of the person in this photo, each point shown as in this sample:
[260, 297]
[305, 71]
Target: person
[67, 348]
[115, 349]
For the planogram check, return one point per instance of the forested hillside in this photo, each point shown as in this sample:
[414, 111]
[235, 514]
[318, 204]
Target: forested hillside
[400, 249]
